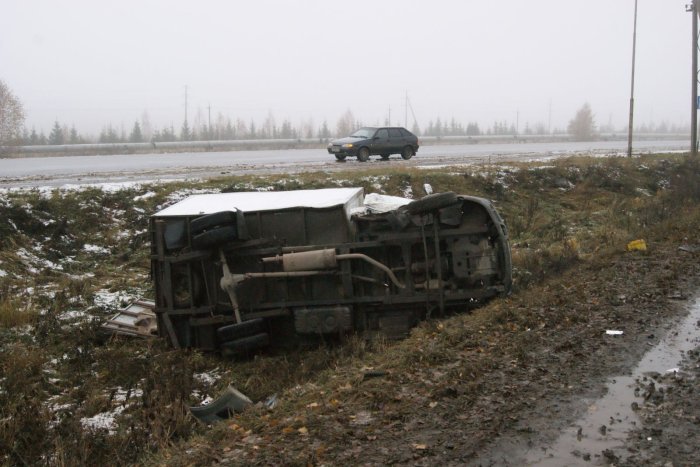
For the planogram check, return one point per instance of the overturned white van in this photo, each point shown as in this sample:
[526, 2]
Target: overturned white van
[235, 272]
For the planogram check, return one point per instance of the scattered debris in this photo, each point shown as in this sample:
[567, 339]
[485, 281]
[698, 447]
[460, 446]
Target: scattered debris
[689, 248]
[137, 320]
[637, 245]
[271, 402]
[229, 402]
[373, 374]
[611, 332]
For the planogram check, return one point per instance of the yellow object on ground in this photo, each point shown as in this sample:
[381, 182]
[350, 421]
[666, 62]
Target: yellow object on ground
[637, 245]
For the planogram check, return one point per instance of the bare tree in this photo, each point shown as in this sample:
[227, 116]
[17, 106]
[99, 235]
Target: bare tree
[346, 124]
[582, 126]
[11, 116]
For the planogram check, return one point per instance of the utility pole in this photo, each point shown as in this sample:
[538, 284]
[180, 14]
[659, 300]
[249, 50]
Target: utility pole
[405, 116]
[693, 8]
[209, 125]
[634, 51]
[185, 104]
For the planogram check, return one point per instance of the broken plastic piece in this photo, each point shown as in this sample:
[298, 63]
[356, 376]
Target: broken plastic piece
[611, 332]
[272, 402]
[637, 245]
[229, 402]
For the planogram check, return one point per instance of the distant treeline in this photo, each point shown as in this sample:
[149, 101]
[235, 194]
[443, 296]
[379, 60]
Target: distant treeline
[223, 128]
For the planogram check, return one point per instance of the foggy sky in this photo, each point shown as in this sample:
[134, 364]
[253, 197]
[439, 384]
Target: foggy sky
[92, 62]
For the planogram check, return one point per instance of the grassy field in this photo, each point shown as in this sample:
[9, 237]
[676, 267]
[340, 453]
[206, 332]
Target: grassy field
[68, 259]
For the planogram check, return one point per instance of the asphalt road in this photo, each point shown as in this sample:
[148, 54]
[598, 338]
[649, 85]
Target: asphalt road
[66, 170]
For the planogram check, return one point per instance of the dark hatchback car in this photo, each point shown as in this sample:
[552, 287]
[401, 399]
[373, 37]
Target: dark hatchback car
[382, 141]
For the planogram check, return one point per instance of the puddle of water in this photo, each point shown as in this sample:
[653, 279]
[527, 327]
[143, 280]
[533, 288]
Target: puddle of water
[608, 420]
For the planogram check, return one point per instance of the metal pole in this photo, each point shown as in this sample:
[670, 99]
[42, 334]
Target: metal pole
[634, 52]
[694, 98]
[405, 117]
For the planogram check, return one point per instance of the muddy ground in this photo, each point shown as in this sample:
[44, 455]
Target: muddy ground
[546, 362]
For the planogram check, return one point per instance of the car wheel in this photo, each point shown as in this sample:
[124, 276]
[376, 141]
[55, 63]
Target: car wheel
[363, 155]
[432, 202]
[385, 157]
[407, 152]
[340, 157]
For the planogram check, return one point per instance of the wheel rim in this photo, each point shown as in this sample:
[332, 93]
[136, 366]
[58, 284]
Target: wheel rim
[363, 155]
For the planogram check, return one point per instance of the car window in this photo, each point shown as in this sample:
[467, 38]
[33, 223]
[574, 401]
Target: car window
[382, 134]
[395, 133]
[363, 133]
[406, 133]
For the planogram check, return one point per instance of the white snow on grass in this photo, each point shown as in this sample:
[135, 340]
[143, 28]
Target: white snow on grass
[106, 187]
[99, 250]
[209, 378]
[32, 262]
[75, 315]
[2, 273]
[103, 421]
[148, 194]
[112, 300]
[123, 395]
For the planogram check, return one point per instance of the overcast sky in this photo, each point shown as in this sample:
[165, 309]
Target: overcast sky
[92, 62]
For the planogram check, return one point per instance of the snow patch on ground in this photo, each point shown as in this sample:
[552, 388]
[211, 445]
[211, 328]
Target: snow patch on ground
[74, 315]
[122, 395]
[32, 262]
[148, 194]
[99, 250]
[209, 378]
[103, 421]
[112, 300]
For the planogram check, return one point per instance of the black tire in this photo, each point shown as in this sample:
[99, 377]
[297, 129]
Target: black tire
[363, 154]
[432, 202]
[245, 344]
[214, 237]
[239, 330]
[340, 157]
[210, 221]
[385, 157]
[407, 152]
